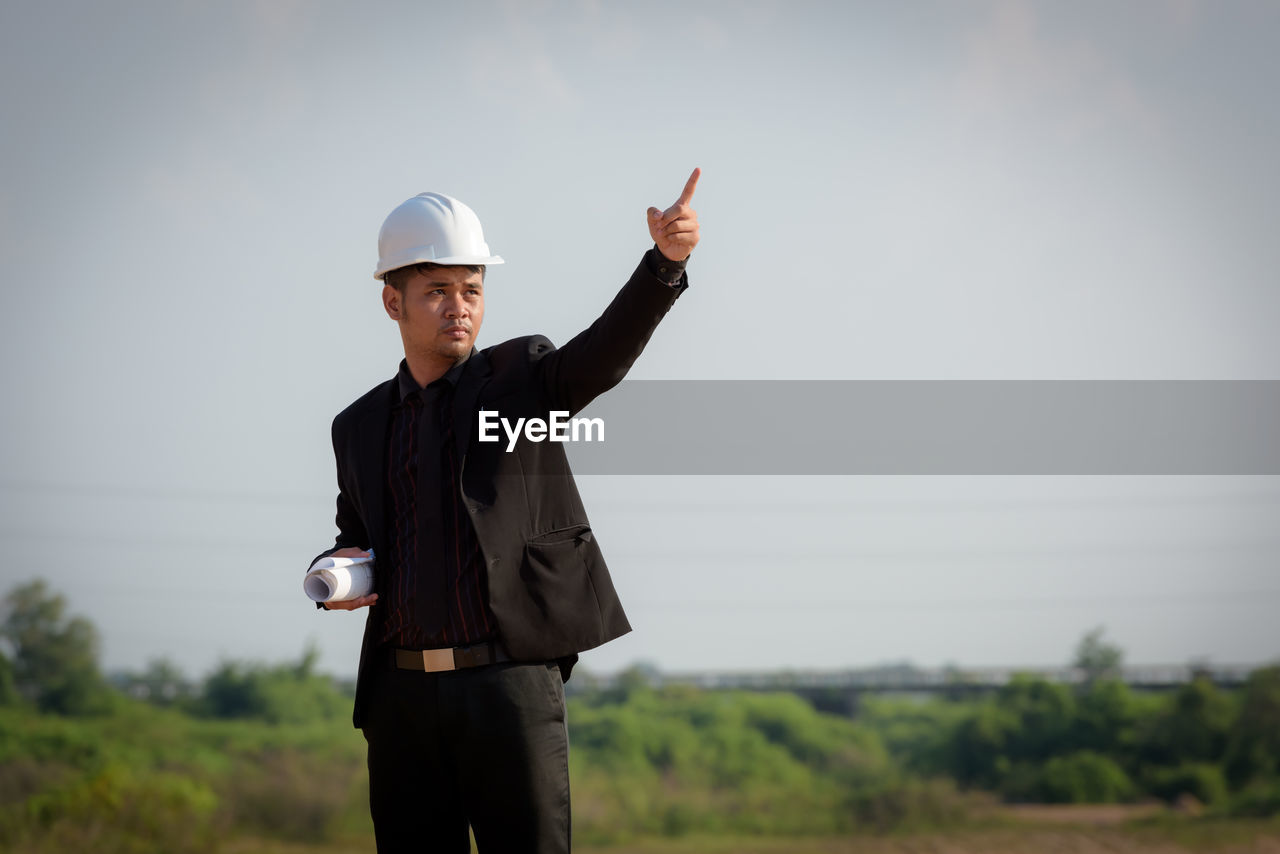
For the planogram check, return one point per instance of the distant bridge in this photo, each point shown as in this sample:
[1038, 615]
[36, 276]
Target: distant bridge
[840, 689]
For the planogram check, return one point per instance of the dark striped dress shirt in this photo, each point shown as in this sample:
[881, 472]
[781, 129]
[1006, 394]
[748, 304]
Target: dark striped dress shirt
[435, 589]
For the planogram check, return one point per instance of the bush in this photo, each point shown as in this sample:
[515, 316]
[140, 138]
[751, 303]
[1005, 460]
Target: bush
[1042, 713]
[8, 689]
[1254, 747]
[287, 794]
[1201, 780]
[681, 761]
[288, 693]
[1106, 712]
[979, 744]
[132, 781]
[119, 810]
[1260, 799]
[1193, 727]
[920, 737]
[1084, 778]
[912, 804]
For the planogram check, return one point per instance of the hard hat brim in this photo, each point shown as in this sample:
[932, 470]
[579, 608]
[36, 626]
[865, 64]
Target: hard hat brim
[449, 261]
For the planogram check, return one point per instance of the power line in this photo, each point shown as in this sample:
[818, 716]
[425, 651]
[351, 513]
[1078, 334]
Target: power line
[168, 493]
[727, 553]
[962, 605]
[662, 504]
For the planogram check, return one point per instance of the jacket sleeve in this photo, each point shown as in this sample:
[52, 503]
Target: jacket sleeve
[597, 358]
[351, 531]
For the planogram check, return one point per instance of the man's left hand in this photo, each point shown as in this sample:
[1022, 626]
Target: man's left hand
[675, 230]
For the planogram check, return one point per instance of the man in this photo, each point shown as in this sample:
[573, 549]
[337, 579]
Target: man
[488, 578]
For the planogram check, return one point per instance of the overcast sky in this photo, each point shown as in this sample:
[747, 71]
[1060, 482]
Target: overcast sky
[189, 207]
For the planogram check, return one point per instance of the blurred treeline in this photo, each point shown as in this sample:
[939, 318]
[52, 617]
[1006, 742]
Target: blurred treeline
[151, 761]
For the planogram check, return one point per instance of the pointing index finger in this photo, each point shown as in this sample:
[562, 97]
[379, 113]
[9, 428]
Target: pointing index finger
[686, 195]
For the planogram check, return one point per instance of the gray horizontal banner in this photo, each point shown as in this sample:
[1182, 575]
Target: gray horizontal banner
[934, 427]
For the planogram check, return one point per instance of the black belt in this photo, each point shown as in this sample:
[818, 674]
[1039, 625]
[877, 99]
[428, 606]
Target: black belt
[449, 658]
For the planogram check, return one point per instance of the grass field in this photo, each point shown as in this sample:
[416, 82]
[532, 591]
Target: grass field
[1004, 841]
[1075, 830]
[976, 842]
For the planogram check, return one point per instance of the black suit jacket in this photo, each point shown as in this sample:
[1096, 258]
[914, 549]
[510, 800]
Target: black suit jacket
[549, 588]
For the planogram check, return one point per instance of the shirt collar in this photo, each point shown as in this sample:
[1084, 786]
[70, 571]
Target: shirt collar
[407, 385]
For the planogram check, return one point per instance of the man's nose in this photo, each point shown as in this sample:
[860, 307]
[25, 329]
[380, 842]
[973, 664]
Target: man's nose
[455, 306]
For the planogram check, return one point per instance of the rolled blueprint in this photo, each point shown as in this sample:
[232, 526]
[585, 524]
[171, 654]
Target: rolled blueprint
[337, 579]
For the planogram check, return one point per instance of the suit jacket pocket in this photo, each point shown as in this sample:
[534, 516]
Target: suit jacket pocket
[571, 534]
[561, 611]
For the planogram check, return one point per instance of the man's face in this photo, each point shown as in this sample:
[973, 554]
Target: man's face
[439, 312]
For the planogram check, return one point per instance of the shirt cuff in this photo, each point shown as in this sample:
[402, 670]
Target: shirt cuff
[664, 268]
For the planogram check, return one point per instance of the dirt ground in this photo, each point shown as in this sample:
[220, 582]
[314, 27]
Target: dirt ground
[1087, 815]
[1026, 830]
[1005, 841]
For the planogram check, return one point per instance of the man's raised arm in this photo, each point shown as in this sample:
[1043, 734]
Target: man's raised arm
[597, 358]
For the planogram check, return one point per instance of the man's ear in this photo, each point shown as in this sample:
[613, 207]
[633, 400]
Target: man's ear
[393, 302]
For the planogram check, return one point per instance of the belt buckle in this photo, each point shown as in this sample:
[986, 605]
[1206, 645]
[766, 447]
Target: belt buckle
[438, 660]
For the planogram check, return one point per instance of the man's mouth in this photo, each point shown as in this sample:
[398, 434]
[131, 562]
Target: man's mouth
[457, 331]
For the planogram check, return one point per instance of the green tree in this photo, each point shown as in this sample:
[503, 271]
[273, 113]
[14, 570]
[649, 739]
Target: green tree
[286, 693]
[920, 736]
[8, 691]
[1253, 751]
[1084, 777]
[1194, 727]
[1043, 713]
[1097, 658]
[1106, 713]
[979, 745]
[54, 657]
[161, 684]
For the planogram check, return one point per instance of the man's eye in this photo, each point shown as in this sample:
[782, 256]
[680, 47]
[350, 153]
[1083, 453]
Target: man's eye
[435, 291]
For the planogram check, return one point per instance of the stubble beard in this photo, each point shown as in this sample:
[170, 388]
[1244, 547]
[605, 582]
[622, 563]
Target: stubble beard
[444, 349]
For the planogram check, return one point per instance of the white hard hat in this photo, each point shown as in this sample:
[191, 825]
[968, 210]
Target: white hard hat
[431, 227]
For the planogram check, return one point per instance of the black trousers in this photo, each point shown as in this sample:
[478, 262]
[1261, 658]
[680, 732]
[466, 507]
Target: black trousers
[483, 746]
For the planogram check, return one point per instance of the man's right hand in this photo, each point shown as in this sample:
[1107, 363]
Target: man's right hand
[675, 230]
[351, 604]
